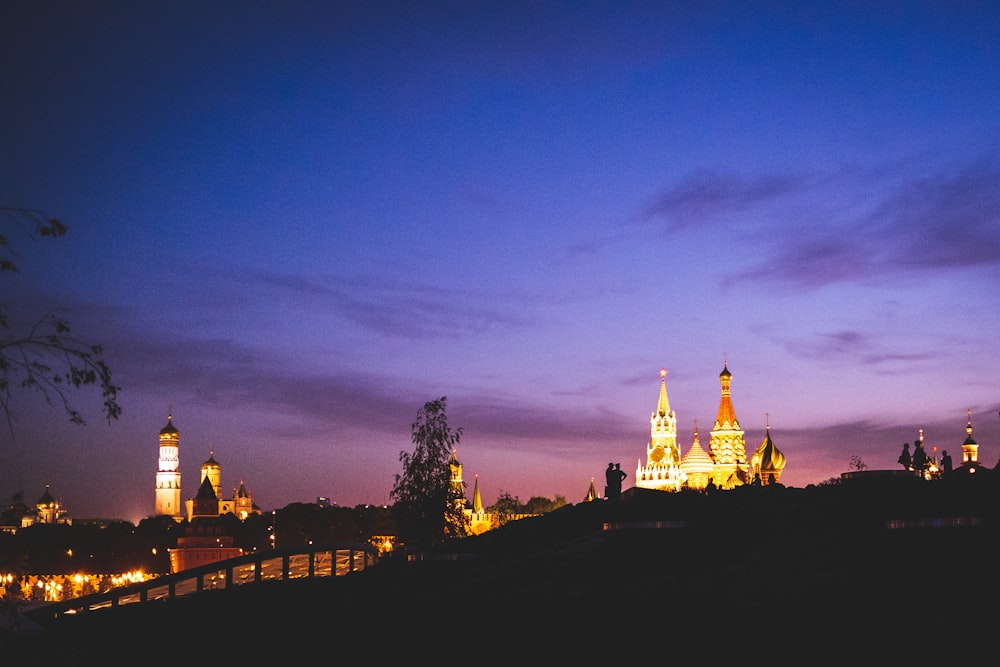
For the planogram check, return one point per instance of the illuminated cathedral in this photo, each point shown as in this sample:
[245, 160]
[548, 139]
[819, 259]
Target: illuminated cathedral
[725, 465]
[168, 484]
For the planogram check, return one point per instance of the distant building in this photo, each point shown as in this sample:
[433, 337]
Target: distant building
[205, 540]
[241, 503]
[168, 483]
[168, 476]
[47, 510]
[724, 465]
[479, 519]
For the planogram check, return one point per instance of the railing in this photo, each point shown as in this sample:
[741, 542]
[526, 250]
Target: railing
[276, 564]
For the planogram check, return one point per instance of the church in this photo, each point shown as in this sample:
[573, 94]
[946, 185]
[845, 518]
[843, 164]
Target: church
[724, 466]
[168, 484]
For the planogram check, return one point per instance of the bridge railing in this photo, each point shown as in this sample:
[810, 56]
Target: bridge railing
[276, 564]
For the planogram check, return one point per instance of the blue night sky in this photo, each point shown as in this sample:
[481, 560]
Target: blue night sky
[294, 223]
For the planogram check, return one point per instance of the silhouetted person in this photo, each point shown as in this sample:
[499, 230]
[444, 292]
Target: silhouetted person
[619, 478]
[919, 457]
[945, 462]
[609, 482]
[904, 458]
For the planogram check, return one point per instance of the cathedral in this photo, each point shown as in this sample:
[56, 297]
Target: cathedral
[724, 466]
[168, 484]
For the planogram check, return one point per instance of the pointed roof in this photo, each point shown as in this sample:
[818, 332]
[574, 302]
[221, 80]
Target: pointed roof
[727, 413]
[46, 498]
[591, 493]
[477, 500]
[663, 405]
[206, 490]
[969, 440]
[242, 491]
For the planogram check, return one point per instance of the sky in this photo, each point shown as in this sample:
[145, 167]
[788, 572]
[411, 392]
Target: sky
[292, 224]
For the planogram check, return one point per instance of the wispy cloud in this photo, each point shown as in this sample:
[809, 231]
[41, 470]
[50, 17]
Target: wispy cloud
[847, 227]
[705, 197]
[410, 310]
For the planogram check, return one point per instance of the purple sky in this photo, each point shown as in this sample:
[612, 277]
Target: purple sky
[294, 223]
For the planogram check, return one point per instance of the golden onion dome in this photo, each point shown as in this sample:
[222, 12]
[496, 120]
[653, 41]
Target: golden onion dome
[770, 457]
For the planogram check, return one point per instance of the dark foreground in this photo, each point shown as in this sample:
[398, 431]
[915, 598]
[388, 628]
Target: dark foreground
[788, 575]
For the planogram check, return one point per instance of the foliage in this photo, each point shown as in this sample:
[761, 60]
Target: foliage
[506, 508]
[542, 505]
[856, 463]
[426, 506]
[46, 357]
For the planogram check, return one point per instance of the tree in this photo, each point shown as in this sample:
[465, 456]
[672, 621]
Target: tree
[542, 505]
[505, 508]
[46, 357]
[428, 508]
[857, 464]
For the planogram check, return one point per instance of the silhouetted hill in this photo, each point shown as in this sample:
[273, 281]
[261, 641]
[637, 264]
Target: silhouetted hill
[811, 572]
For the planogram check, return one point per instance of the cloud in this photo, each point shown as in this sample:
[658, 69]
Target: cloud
[707, 197]
[851, 348]
[947, 221]
[411, 311]
[849, 227]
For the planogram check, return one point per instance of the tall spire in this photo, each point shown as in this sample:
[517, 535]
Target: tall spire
[477, 500]
[970, 448]
[663, 457]
[726, 445]
[727, 413]
[663, 406]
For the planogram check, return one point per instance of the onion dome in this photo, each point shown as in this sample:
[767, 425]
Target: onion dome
[210, 464]
[769, 460]
[169, 428]
[46, 499]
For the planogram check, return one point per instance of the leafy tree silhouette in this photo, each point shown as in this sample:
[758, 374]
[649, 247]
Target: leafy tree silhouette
[427, 507]
[46, 357]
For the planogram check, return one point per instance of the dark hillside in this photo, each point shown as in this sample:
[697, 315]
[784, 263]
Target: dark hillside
[813, 570]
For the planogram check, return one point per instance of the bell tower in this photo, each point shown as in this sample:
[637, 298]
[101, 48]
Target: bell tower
[168, 477]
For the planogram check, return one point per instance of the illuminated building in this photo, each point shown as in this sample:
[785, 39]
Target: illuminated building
[970, 454]
[697, 464]
[205, 540]
[663, 460]
[970, 448]
[767, 462]
[478, 518]
[241, 504]
[727, 447]
[168, 477]
[48, 510]
[168, 482]
[591, 493]
[724, 465]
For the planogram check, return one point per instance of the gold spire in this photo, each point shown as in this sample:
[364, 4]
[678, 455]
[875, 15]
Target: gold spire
[663, 406]
[477, 500]
[727, 413]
